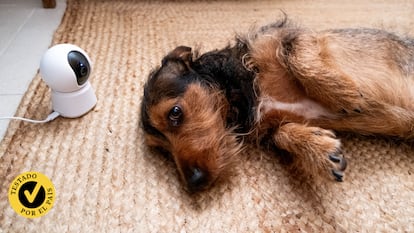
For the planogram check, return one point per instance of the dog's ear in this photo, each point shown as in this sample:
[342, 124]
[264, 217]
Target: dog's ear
[183, 53]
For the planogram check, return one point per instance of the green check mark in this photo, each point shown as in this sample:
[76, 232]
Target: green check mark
[31, 196]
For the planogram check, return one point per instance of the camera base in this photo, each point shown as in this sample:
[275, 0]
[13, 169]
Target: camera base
[74, 104]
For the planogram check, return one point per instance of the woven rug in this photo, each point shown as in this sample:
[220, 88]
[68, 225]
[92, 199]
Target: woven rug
[107, 181]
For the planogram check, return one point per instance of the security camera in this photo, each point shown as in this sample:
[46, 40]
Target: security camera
[66, 68]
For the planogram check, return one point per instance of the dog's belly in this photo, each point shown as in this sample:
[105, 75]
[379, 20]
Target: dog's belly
[301, 110]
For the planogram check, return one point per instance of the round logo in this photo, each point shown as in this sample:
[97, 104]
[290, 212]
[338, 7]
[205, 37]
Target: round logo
[31, 194]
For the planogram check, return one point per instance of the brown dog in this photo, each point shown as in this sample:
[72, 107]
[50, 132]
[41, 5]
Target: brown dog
[280, 84]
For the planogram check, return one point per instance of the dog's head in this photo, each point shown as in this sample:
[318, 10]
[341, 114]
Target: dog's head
[186, 114]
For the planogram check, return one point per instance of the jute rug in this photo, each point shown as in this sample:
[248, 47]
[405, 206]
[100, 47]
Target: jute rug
[107, 181]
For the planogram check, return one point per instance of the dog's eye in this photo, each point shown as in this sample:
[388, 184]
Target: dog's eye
[175, 116]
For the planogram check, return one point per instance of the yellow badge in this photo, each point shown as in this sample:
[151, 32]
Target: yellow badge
[31, 194]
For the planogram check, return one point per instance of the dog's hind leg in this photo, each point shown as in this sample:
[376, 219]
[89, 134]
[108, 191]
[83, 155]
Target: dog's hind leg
[315, 150]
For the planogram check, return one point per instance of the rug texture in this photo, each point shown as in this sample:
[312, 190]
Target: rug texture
[107, 181]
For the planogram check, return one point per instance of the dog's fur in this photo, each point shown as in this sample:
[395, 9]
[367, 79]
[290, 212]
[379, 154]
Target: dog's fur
[279, 84]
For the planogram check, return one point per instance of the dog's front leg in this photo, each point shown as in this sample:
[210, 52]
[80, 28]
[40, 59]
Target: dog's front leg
[316, 69]
[315, 150]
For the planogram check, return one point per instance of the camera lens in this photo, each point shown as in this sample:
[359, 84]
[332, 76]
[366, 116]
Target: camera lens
[83, 69]
[80, 66]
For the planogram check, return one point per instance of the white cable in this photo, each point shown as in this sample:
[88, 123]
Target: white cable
[51, 117]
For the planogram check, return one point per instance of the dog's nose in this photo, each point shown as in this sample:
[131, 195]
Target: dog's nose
[197, 179]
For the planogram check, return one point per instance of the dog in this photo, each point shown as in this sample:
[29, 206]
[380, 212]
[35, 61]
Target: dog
[280, 85]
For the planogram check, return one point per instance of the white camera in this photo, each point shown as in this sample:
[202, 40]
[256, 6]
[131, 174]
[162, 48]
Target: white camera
[66, 68]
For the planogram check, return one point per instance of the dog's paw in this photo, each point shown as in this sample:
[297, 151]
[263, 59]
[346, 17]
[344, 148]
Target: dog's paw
[328, 151]
[351, 104]
[315, 151]
[338, 165]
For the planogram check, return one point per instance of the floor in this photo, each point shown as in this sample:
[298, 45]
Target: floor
[26, 31]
